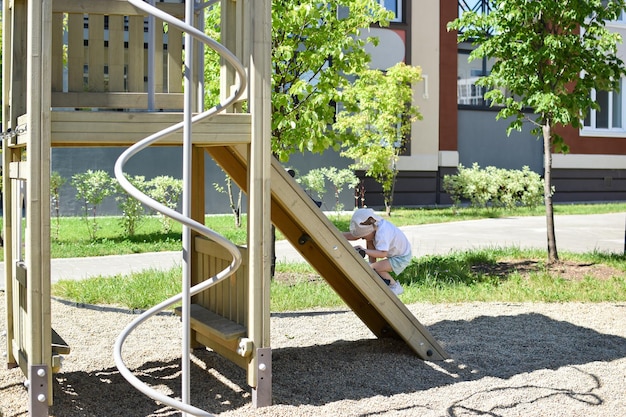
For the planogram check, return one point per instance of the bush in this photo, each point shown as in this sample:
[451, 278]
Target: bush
[167, 191]
[495, 187]
[315, 182]
[133, 211]
[92, 187]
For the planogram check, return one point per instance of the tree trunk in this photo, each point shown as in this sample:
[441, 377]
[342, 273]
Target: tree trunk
[553, 255]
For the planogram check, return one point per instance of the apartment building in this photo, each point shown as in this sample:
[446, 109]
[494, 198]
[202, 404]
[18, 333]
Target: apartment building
[459, 127]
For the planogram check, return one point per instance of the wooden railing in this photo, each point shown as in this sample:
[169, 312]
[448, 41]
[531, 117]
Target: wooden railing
[100, 52]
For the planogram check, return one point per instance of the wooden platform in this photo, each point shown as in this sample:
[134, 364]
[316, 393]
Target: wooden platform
[107, 128]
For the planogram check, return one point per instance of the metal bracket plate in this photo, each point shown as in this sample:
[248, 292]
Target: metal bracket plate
[38, 390]
[262, 393]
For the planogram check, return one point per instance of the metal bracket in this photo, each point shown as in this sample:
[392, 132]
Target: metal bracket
[38, 390]
[244, 349]
[11, 135]
[262, 393]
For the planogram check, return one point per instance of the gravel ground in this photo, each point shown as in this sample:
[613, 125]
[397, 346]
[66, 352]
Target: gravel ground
[508, 360]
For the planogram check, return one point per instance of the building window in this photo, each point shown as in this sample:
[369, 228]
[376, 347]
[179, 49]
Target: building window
[476, 6]
[395, 6]
[609, 119]
[468, 93]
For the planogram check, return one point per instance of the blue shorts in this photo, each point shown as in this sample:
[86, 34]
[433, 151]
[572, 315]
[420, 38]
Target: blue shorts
[399, 263]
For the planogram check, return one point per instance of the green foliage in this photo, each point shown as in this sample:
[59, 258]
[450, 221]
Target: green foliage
[167, 191]
[541, 49]
[549, 57]
[140, 290]
[56, 182]
[316, 48]
[489, 275]
[211, 58]
[470, 276]
[495, 187]
[133, 211]
[340, 178]
[72, 241]
[92, 187]
[376, 121]
[315, 182]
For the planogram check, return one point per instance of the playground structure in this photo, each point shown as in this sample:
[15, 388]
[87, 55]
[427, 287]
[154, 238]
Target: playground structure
[84, 73]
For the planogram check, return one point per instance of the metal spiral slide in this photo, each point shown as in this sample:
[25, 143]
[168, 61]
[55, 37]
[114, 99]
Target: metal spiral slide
[184, 217]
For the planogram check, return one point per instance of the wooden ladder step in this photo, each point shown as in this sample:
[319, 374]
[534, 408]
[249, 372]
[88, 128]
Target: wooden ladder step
[212, 324]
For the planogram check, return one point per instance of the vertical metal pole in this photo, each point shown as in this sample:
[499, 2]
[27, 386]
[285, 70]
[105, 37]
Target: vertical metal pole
[186, 299]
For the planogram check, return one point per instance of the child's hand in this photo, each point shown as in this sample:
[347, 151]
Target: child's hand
[361, 250]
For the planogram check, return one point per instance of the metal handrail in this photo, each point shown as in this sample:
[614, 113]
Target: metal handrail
[240, 83]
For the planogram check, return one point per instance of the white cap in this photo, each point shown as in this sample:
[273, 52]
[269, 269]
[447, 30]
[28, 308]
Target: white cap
[360, 216]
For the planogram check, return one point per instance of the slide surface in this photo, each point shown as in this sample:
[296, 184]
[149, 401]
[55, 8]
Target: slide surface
[323, 246]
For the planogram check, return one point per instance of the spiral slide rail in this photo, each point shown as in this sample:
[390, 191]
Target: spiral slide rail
[188, 223]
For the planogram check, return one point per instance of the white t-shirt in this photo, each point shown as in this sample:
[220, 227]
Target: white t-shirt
[391, 239]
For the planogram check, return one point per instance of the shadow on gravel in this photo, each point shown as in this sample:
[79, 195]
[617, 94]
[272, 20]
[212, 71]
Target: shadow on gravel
[107, 393]
[502, 347]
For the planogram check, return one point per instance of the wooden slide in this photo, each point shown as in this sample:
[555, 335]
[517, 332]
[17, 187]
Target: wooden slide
[323, 246]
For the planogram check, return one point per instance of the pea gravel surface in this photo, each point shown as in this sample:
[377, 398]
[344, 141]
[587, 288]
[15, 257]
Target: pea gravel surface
[507, 360]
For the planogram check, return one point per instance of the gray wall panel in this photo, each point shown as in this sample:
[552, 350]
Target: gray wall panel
[482, 139]
[157, 161]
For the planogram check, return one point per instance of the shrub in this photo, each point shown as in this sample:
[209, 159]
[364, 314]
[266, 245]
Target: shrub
[339, 179]
[92, 187]
[133, 211]
[494, 187]
[315, 182]
[167, 191]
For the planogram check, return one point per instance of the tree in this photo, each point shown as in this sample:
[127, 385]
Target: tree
[317, 47]
[377, 120]
[233, 203]
[549, 57]
[56, 182]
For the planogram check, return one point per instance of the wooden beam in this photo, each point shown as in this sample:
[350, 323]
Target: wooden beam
[112, 7]
[126, 128]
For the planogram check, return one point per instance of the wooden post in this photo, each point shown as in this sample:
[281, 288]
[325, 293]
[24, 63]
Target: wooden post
[258, 18]
[38, 72]
[8, 120]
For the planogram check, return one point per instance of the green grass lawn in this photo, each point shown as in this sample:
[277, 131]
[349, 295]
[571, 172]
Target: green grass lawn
[456, 277]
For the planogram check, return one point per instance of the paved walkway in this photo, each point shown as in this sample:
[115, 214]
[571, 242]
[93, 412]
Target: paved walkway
[575, 233]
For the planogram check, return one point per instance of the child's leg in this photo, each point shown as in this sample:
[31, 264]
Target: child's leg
[383, 268]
